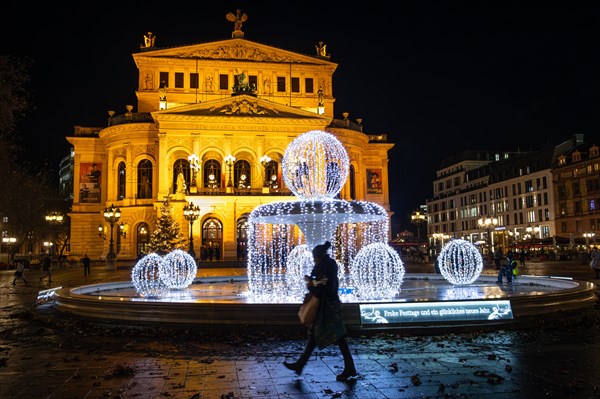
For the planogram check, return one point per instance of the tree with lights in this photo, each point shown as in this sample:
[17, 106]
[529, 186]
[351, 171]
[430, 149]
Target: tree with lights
[167, 235]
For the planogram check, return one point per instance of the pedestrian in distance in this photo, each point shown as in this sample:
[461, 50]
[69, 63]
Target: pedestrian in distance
[522, 257]
[47, 267]
[19, 273]
[595, 262]
[86, 265]
[498, 258]
[328, 327]
[507, 269]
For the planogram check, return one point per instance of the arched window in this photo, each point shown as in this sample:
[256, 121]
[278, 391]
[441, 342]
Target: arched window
[212, 174]
[142, 239]
[271, 174]
[241, 174]
[181, 165]
[121, 181]
[352, 183]
[242, 237]
[144, 176]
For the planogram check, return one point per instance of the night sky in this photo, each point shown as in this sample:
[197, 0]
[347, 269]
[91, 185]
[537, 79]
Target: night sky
[436, 77]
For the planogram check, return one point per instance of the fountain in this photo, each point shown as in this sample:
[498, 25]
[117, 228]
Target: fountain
[315, 168]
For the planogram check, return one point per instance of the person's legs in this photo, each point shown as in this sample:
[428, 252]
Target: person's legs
[349, 369]
[500, 274]
[300, 363]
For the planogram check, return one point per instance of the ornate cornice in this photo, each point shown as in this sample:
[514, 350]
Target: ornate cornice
[237, 51]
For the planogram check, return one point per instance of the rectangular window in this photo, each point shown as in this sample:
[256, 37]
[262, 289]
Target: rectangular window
[194, 81]
[309, 85]
[528, 186]
[164, 79]
[561, 191]
[563, 227]
[592, 205]
[295, 85]
[281, 84]
[179, 80]
[223, 82]
[253, 82]
[576, 187]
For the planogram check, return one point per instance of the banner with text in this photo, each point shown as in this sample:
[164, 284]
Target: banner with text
[421, 312]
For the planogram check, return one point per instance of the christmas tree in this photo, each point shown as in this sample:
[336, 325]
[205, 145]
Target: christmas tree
[166, 237]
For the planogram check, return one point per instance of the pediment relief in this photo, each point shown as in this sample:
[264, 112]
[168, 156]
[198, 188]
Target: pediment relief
[235, 49]
[242, 105]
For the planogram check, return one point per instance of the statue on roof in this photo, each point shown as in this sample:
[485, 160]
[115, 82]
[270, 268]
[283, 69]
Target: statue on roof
[321, 49]
[149, 40]
[238, 18]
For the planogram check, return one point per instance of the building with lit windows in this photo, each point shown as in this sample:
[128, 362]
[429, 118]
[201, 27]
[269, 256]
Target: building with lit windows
[515, 200]
[211, 125]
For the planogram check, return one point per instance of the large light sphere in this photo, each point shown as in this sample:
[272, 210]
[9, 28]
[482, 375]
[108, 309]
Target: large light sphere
[315, 166]
[460, 262]
[180, 269]
[377, 272]
[145, 276]
[300, 263]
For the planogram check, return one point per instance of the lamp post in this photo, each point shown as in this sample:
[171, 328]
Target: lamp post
[587, 238]
[264, 161]
[111, 216]
[54, 219]
[531, 232]
[417, 218]
[191, 212]
[195, 167]
[229, 160]
[487, 223]
[9, 242]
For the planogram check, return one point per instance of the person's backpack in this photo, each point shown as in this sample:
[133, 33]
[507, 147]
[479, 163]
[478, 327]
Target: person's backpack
[514, 265]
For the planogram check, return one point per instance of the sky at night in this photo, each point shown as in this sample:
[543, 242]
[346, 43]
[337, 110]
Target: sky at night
[436, 77]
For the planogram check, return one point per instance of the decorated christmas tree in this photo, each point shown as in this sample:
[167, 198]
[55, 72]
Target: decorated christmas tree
[166, 237]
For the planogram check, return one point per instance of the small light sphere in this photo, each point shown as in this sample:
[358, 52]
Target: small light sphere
[377, 272]
[460, 262]
[180, 269]
[299, 264]
[145, 276]
[315, 165]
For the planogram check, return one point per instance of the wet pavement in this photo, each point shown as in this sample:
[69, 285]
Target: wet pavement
[47, 355]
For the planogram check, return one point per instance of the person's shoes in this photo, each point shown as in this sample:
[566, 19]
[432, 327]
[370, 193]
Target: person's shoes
[294, 367]
[346, 374]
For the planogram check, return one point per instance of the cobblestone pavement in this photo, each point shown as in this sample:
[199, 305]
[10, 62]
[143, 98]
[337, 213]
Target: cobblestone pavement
[56, 357]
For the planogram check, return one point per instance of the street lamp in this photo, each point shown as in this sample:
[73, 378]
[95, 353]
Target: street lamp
[9, 242]
[417, 218]
[229, 160]
[55, 219]
[487, 223]
[264, 161]
[111, 216]
[191, 212]
[532, 231]
[195, 167]
[587, 238]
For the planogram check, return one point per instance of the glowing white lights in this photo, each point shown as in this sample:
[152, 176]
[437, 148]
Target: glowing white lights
[460, 262]
[377, 272]
[180, 269]
[315, 166]
[145, 276]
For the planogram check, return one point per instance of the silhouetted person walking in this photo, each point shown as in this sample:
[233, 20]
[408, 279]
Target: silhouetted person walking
[86, 265]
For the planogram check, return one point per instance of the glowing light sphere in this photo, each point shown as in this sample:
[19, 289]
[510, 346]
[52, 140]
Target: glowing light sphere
[315, 165]
[180, 269]
[145, 276]
[460, 262]
[377, 272]
[299, 264]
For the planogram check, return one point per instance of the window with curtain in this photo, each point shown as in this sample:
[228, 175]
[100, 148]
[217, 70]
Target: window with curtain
[121, 174]
[144, 178]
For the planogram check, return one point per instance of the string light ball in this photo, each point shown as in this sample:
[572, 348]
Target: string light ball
[299, 264]
[145, 276]
[180, 269]
[460, 262]
[315, 165]
[377, 272]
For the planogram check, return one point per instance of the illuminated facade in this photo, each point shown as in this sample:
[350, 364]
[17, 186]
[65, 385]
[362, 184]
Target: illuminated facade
[212, 124]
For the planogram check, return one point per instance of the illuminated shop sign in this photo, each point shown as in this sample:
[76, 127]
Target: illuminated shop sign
[421, 312]
[46, 295]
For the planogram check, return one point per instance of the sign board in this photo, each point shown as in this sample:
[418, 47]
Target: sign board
[427, 312]
[46, 295]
